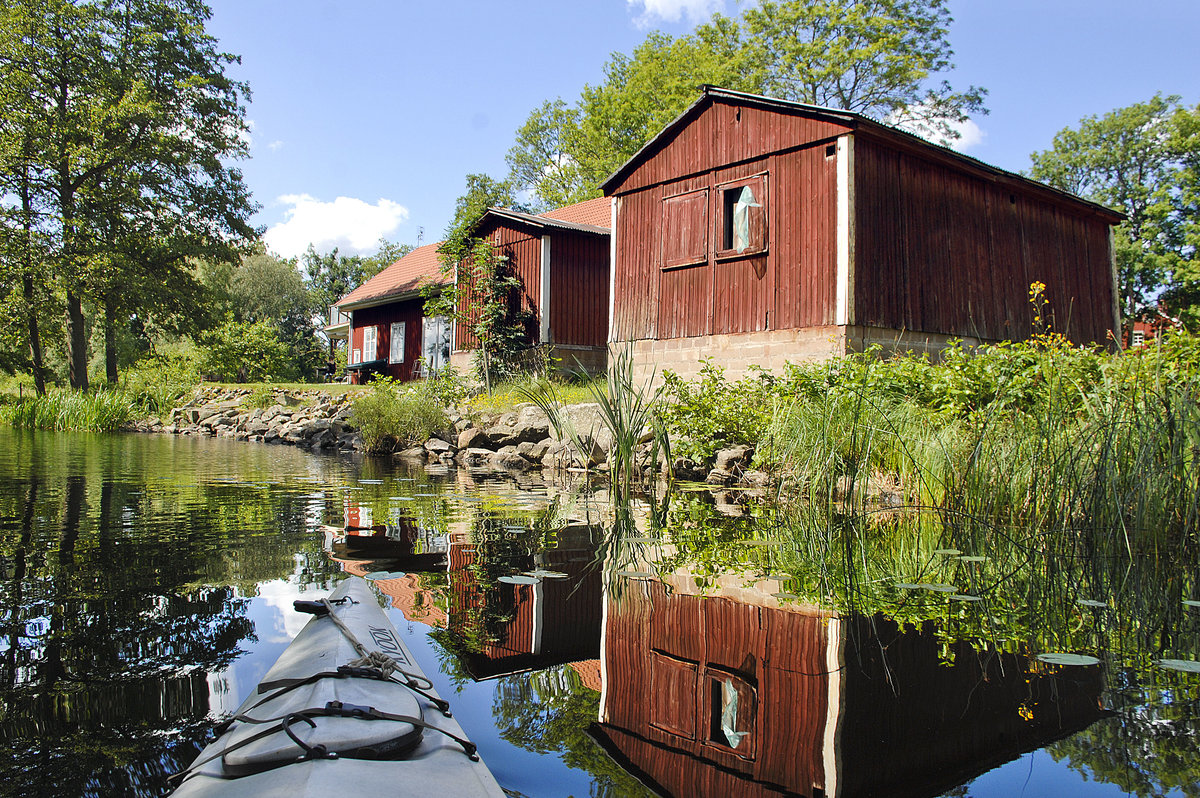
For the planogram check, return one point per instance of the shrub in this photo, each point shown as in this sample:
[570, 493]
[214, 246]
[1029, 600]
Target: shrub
[156, 384]
[392, 415]
[246, 352]
[710, 413]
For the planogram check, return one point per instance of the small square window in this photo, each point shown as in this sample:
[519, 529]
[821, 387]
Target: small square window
[743, 217]
[1139, 337]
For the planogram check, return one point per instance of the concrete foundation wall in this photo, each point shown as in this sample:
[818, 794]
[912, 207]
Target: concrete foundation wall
[565, 358]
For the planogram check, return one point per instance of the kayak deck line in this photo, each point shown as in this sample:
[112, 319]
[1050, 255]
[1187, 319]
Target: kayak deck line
[332, 710]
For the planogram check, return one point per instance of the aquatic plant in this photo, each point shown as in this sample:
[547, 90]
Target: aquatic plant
[96, 411]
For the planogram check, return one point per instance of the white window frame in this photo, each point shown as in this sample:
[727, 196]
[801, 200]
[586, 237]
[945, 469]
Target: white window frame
[396, 344]
[370, 344]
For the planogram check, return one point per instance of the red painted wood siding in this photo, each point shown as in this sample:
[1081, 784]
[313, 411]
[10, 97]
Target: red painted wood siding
[725, 133]
[946, 251]
[791, 284]
[524, 251]
[579, 288]
[409, 311]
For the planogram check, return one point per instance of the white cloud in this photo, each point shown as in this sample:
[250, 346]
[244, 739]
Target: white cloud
[286, 622]
[969, 133]
[350, 224]
[673, 10]
[274, 145]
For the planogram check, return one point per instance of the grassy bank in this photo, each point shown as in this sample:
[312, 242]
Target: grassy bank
[1031, 435]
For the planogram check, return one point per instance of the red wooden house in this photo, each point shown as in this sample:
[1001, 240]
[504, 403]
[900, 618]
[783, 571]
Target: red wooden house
[759, 231]
[562, 259]
[387, 331]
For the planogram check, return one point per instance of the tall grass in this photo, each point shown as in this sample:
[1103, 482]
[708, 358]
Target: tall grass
[629, 412]
[390, 415]
[99, 411]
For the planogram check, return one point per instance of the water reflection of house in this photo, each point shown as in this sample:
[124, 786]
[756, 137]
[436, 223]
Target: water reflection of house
[521, 627]
[736, 697]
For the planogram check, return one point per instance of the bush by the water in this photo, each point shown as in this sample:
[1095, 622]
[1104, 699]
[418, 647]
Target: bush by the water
[98, 411]
[393, 414]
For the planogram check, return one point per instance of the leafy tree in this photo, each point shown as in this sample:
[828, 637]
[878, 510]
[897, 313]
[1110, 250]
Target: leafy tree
[240, 351]
[128, 119]
[1144, 160]
[875, 57]
[482, 192]
[331, 276]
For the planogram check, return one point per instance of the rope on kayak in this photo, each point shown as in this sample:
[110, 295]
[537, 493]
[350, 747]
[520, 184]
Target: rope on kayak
[332, 709]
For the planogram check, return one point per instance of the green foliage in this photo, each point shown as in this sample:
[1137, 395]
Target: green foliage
[97, 411]
[1144, 160]
[245, 352]
[711, 413]
[876, 57]
[446, 387]
[156, 384]
[393, 414]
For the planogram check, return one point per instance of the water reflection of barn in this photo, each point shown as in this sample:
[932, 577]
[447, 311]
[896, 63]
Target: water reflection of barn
[552, 622]
[717, 696]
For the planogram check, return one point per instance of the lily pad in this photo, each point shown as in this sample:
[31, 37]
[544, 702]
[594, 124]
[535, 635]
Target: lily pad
[938, 588]
[635, 574]
[908, 586]
[376, 576]
[1063, 658]
[947, 552]
[1185, 665]
[972, 558]
[964, 597]
[370, 482]
[1190, 603]
[1091, 603]
[519, 579]
[786, 596]
[638, 540]
[541, 573]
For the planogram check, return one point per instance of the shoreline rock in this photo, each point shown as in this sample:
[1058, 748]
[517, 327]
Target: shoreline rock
[514, 442]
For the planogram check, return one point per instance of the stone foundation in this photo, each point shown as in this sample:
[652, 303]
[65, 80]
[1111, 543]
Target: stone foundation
[565, 358]
[771, 349]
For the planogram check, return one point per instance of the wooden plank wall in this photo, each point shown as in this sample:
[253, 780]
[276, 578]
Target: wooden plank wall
[409, 311]
[791, 285]
[579, 288]
[941, 250]
[524, 251]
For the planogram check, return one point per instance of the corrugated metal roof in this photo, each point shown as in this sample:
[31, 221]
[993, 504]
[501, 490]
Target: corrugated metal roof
[595, 212]
[709, 93]
[405, 276]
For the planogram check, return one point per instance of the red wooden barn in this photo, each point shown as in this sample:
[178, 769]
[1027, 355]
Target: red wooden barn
[759, 231]
[386, 330]
[562, 260]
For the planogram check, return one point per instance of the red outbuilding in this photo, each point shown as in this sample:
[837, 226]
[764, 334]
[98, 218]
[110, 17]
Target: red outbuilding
[562, 260]
[758, 231]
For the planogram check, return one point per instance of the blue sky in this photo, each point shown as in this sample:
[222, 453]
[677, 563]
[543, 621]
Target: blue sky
[367, 116]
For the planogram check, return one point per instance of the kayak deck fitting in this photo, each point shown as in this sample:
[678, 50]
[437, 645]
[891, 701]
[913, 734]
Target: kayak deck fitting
[344, 707]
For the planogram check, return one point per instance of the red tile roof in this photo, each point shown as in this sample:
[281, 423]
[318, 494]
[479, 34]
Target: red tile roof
[405, 276]
[596, 212]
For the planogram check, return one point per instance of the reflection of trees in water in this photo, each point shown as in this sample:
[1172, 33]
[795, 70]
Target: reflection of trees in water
[1149, 746]
[549, 712]
[109, 630]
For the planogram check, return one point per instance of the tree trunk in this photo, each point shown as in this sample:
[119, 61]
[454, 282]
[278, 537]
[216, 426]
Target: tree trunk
[35, 338]
[76, 342]
[110, 342]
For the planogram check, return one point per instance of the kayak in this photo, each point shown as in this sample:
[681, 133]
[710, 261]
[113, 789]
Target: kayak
[344, 707]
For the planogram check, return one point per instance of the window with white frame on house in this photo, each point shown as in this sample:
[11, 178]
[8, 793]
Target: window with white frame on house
[685, 229]
[1139, 337]
[368, 348]
[741, 218]
[396, 343]
[435, 343]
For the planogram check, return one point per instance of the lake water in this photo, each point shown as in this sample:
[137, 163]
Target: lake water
[697, 645]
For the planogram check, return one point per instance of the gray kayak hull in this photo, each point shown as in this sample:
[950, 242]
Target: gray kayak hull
[265, 759]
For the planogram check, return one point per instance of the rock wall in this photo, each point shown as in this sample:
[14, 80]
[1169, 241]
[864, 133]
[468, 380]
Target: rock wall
[519, 440]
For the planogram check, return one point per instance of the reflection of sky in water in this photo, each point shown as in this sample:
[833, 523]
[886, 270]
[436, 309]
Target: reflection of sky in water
[1036, 774]
[276, 623]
